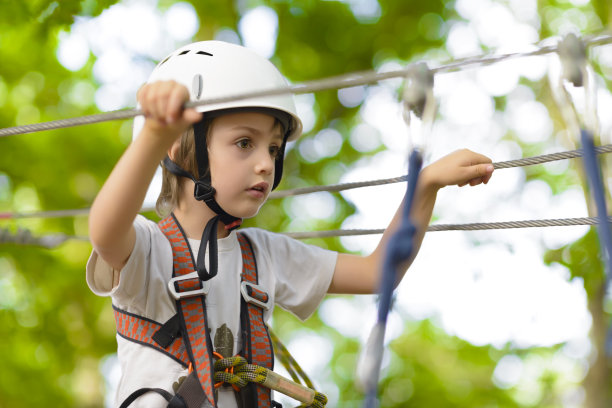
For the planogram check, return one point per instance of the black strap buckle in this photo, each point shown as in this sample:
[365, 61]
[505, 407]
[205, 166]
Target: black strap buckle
[203, 192]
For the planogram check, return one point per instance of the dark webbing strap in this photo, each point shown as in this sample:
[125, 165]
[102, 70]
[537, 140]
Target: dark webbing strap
[128, 401]
[203, 190]
[189, 394]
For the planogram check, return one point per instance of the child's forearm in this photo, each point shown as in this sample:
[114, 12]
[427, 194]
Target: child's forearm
[114, 209]
[458, 168]
[420, 216]
[121, 198]
[355, 274]
[361, 274]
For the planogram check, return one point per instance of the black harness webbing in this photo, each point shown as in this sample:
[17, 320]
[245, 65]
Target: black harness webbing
[185, 337]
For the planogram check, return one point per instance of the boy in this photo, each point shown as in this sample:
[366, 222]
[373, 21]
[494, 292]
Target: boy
[230, 154]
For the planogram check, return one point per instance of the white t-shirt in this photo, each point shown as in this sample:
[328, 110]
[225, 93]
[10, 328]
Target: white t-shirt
[295, 275]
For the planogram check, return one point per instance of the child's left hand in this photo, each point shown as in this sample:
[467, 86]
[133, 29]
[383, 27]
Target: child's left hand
[357, 274]
[462, 167]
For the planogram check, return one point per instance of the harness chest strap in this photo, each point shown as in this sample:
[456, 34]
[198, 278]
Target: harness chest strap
[185, 337]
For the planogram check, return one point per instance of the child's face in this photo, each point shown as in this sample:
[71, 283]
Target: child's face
[242, 150]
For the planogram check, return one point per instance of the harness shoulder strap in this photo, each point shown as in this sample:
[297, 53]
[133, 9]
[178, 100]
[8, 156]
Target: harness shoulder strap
[185, 336]
[256, 343]
[189, 293]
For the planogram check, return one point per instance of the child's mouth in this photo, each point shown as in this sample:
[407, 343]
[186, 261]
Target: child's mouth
[258, 190]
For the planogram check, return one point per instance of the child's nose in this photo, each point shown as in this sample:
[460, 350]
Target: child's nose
[265, 162]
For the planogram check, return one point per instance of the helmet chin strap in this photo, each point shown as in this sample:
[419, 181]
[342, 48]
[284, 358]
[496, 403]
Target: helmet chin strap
[205, 192]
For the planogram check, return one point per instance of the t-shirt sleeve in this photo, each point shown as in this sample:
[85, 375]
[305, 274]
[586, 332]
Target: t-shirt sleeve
[131, 282]
[301, 272]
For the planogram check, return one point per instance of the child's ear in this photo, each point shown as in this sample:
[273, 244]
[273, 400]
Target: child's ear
[173, 150]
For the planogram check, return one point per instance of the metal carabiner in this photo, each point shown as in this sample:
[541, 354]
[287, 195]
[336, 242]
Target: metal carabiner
[575, 71]
[418, 100]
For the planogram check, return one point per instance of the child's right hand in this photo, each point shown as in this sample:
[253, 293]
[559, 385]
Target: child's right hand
[162, 104]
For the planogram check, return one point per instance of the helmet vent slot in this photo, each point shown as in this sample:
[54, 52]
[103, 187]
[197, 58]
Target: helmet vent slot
[184, 52]
[204, 53]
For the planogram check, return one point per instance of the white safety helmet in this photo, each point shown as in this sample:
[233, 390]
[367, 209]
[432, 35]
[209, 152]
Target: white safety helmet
[217, 69]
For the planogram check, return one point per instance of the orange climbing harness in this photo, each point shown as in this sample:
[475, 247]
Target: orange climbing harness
[185, 338]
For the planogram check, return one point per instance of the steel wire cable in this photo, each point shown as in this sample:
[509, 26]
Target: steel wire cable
[336, 82]
[528, 161]
[25, 237]
[341, 81]
[545, 158]
[477, 226]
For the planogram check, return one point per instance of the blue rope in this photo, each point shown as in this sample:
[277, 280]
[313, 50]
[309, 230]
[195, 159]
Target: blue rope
[399, 250]
[593, 173]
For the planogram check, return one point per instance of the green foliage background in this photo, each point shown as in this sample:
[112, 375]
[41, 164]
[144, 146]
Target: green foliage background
[55, 333]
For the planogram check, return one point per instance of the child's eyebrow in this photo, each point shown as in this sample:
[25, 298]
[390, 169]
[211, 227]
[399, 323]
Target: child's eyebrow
[277, 129]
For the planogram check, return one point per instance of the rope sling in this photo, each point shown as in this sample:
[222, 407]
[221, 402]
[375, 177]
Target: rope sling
[185, 338]
[237, 372]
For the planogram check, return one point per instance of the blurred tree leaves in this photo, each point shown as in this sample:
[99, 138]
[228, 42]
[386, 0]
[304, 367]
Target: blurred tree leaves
[55, 332]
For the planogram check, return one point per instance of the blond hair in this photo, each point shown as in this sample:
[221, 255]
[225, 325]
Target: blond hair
[171, 186]
[186, 158]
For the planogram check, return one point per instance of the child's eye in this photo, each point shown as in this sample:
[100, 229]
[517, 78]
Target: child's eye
[243, 143]
[274, 151]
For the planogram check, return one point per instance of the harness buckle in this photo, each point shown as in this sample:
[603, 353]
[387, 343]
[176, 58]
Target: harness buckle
[244, 289]
[203, 291]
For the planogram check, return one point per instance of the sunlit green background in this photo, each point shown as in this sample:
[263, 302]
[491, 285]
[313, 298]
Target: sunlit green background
[57, 339]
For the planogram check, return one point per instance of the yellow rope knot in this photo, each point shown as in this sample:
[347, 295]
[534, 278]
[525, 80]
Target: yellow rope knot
[238, 372]
[224, 371]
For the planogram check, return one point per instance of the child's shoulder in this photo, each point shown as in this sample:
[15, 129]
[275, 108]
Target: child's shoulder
[261, 235]
[279, 243]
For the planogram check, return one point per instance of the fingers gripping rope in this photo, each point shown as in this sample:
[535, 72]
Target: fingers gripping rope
[239, 373]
